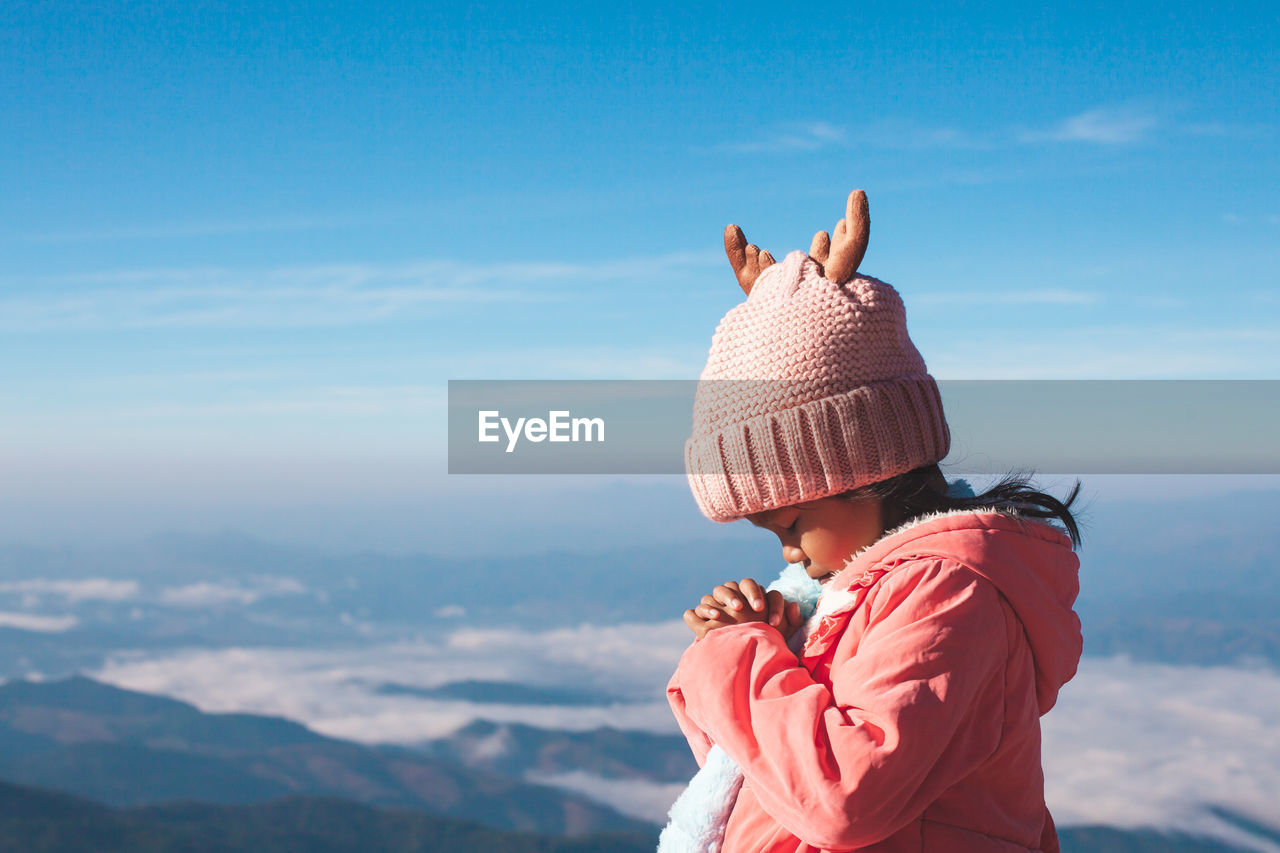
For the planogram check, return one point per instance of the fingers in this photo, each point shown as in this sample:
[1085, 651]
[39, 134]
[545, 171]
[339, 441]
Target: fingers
[777, 607]
[766, 260]
[730, 597]
[754, 594]
[791, 621]
[696, 625]
[820, 247]
[735, 602]
[699, 625]
[709, 608]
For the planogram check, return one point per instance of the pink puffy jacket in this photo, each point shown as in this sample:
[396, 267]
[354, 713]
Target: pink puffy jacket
[911, 720]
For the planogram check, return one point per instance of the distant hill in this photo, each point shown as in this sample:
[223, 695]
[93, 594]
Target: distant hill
[36, 821]
[499, 692]
[1101, 839]
[515, 750]
[125, 748]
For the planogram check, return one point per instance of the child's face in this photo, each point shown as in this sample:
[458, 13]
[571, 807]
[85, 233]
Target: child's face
[823, 534]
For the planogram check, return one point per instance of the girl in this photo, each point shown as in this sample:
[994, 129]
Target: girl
[904, 714]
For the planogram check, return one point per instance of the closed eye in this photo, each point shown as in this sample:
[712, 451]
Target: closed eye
[763, 524]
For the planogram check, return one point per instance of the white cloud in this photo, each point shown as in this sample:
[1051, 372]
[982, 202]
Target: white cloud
[333, 691]
[1129, 744]
[87, 589]
[325, 400]
[1043, 296]
[310, 296]
[208, 594]
[205, 594]
[636, 797]
[797, 136]
[1116, 351]
[1102, 126]
[891, 134]
[191, 229]
[37, 623]
[1252, 219]
[1139, 744]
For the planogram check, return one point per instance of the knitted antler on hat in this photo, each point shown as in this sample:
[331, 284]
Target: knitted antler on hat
[812, 386]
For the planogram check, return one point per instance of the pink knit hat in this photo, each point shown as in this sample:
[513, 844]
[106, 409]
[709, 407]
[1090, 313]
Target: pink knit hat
[811, 388]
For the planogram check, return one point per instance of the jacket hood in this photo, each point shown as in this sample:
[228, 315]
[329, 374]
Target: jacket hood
[1029, 560]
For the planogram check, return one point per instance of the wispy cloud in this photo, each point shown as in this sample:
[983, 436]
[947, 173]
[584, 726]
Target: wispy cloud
[1101, 126]
[636, 797]
[208, 228]
[802, 136]
[1120, 351]
[1105, 125]
[889, 133]
[1270, 219]
[209, 594]
[328, 295]
[1044, 296]
[199, 594]
[38, 623]
[87, 589]
[348, 400]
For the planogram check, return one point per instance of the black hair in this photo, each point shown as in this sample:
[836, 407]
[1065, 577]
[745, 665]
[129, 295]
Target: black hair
[925, 490]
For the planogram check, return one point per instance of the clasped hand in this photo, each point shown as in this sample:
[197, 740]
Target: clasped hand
[736, 602]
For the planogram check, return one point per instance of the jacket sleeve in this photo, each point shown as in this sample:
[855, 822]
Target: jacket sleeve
[697, 738]
[915, 709]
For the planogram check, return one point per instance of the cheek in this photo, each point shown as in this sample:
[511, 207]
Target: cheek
[833, 549]
[822, 547]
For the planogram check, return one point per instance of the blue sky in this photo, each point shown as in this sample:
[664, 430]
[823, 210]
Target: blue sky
[243, 248]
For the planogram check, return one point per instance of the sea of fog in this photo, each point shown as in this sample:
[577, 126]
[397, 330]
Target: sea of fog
[1130, 744]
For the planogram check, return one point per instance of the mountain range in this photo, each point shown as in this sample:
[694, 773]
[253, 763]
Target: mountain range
[93, 767]
[124, 748]
[37, 821]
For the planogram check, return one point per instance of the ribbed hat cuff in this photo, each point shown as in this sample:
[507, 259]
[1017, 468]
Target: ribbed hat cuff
[818, 449]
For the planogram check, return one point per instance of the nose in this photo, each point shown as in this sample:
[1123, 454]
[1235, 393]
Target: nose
[793, 554]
